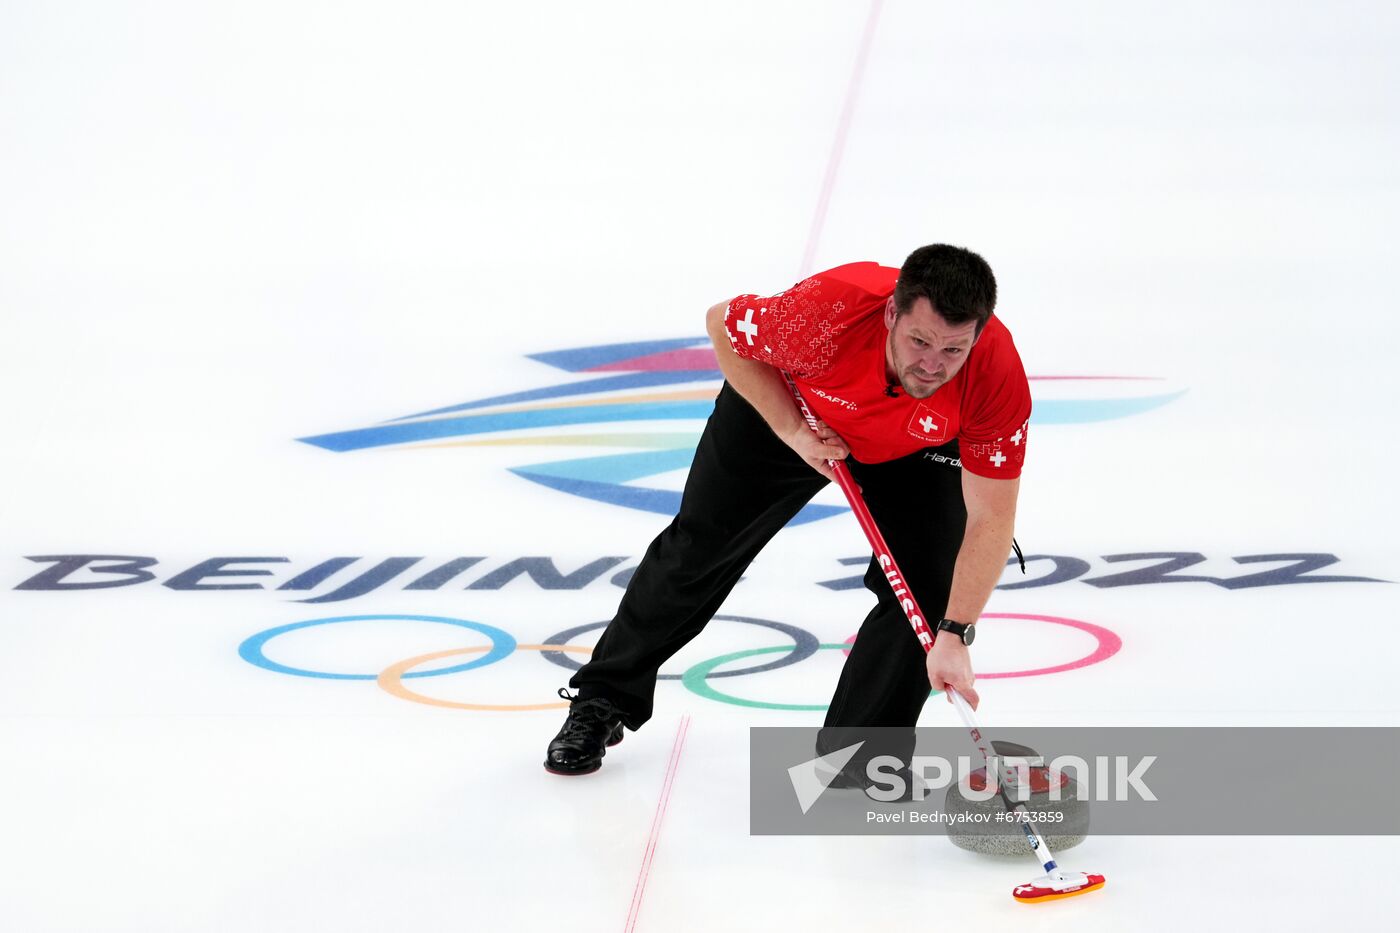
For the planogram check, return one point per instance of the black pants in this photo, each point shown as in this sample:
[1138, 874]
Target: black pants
[744, 485]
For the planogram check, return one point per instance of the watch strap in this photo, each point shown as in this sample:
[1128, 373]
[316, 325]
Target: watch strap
[959, 629]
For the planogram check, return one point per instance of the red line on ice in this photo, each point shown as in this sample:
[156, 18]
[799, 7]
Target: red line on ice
[838, 145]
[644, 872]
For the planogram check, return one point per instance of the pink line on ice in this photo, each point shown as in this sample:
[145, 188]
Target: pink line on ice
[838, 145]
[645, 871]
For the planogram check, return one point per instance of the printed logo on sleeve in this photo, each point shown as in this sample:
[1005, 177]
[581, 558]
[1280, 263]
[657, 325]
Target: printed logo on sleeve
[1002, 450]
[747, 326]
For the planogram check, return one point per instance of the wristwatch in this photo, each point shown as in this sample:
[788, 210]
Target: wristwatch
[966, 632]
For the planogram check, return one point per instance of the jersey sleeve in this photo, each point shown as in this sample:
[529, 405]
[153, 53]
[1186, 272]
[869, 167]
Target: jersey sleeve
[793, 330]
[997, 411]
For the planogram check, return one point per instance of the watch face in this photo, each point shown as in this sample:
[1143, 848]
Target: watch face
[969, 634]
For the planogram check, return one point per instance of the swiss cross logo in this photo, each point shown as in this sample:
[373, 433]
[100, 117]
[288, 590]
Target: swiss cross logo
[747, 327]
[1003, 455]
[928, 425]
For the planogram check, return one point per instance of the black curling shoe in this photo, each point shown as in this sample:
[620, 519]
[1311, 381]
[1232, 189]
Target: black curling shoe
[592, 728]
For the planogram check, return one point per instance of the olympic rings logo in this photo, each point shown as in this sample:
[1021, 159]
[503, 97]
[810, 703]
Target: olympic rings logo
[558, 650]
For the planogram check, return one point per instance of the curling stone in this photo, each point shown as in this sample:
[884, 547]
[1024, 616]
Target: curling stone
[1007, 838]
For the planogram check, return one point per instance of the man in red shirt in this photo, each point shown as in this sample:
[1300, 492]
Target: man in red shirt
[920, 389]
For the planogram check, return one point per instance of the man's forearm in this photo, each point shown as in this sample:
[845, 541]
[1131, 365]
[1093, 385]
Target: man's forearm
[761, 385]
[980, 563]
[986, 540]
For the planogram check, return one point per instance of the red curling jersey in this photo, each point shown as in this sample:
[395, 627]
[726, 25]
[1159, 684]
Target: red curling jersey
[828, 331]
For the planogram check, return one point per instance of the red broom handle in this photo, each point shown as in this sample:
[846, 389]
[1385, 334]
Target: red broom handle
[872, 533]
[921, 629]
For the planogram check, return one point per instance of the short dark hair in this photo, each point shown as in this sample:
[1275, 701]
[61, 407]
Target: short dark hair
[957, 282]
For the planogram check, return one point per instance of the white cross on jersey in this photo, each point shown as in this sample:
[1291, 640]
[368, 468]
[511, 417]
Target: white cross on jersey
[998, 459]
[1017, 437]
[747, 326]
[926, 423]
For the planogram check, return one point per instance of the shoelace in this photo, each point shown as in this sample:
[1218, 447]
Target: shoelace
[585, 714]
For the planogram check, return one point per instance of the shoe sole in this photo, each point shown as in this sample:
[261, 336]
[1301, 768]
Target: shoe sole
[553, 770]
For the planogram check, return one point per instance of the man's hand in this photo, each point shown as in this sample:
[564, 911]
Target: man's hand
[949, 665]
[817, 448]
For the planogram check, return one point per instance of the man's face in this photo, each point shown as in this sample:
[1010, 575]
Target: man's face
[924, 351]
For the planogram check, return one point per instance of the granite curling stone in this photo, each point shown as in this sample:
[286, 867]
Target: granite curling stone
[998, 837]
